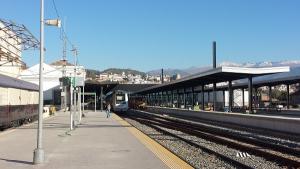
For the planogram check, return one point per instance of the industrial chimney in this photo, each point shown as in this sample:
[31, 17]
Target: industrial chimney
[162, 75]
[214, 54]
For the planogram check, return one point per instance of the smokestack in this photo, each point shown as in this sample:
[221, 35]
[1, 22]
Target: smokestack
[214, 54]
[162, 75]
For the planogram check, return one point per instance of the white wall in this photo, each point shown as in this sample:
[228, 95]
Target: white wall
[12, 96]
[238, 99]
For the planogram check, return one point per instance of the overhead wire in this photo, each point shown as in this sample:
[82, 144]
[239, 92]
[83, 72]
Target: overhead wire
[62, 27]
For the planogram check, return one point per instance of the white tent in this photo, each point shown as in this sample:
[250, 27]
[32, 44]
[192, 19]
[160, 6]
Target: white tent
[51, 78]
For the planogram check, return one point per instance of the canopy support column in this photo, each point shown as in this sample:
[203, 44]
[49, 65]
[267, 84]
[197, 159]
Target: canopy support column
[230, 96]
[288, 96]
[202, 97]
[243, 97]
[214, 96]
[250, 87]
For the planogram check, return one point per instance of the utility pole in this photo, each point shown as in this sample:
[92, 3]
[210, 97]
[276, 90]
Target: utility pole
[39, 155]
[64, 59]
[79, 104]
[74, 50]
[83, 93]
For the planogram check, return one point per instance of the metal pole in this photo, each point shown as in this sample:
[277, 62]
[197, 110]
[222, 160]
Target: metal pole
[214, 97]
[250, 87]
[270, 96]
[75, 85]
[79, 104]
[208, 97]
[193, 99]
[184, 98]
[83, 97]
[64, 87]
[178, 97]
[243, 97]
[101, 102]
[71, 106]
[75, 107]
[288, 96]
[96, 102]
[202, 97]
[39, 155]
[172, 98]
[223, 94]
[255, 93]
[162, 98]
[230, 96]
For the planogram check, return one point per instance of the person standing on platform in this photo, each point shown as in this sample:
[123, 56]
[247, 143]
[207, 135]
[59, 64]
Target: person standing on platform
[108, 110]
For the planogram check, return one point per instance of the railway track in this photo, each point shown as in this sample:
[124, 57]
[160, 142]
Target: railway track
[282, 155]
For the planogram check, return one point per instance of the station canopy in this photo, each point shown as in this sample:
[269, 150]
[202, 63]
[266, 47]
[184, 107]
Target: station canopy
[217, 75]
[10, 82]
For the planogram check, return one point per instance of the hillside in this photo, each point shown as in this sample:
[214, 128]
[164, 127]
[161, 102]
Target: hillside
[192, 70]
[126, 71]
[92, 73]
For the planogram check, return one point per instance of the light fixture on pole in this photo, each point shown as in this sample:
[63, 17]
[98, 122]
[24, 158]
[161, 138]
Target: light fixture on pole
[39, 155]
[53, 22]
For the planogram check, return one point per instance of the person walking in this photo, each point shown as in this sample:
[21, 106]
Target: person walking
[108, 110]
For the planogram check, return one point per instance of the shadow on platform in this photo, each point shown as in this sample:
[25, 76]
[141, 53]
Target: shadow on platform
[17, 161]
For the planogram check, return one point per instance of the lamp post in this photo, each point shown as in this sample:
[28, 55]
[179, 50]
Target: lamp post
[74, 50]
[39, 155]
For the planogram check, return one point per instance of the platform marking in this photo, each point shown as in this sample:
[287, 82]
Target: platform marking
[170, 159]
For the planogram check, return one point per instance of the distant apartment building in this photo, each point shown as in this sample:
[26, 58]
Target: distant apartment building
[103, 77]
[175, 77]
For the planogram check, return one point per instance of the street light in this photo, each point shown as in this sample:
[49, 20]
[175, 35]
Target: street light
[39, 155]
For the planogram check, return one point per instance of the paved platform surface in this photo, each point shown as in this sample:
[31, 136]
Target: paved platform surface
[97, 143]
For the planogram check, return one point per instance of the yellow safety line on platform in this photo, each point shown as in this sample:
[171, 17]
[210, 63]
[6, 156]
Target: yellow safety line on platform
[170, 159]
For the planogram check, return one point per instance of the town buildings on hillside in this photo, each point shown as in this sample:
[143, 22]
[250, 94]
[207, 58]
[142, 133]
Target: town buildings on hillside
[132, 78]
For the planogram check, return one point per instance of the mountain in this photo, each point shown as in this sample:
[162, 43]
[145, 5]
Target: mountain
[293, 63]
[169, 72]
[120, 71]
[91, 73]
[194, 69]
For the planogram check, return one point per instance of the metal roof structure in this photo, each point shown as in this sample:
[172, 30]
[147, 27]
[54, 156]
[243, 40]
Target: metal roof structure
[130, 88]
[217, 75]
[291, 77]
[21, 35]
[10, 82]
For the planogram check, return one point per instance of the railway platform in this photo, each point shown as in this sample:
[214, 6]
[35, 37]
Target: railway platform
[99, 142]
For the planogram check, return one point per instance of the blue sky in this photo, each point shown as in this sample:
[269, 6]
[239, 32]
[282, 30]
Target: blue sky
[152, 34]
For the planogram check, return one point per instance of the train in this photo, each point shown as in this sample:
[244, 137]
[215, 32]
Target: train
[18, 102]
[118, 100]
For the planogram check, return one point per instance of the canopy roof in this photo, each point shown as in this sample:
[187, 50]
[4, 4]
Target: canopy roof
[10, 82]
[217, 75]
